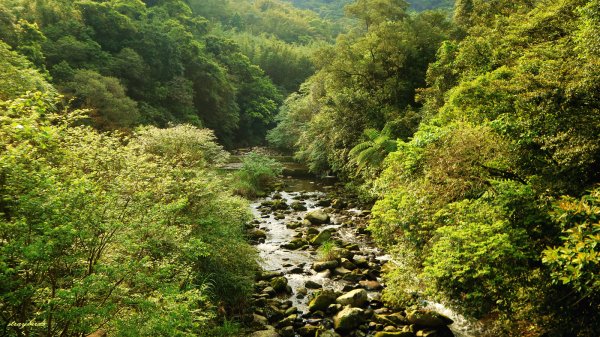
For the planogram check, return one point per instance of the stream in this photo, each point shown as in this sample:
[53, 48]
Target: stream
[286, 291]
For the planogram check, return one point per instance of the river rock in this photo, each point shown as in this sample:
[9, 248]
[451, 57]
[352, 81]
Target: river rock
[257, 235]
[371, 285]
[355, 298]
[353, 247]
[295, 244]
[267, 275]
[428, 318]
[394, 334]
[327, 333]
[312, 285]
[398, 318]
[348, 319]
[355, 276]
[279, 284]
[317, 217]
[293, 225]
[308, 331]
[341, 271]
[360, 261]
[312, 231]
[265, 333]
[279, 205]
[259, 321]
[321, 238]
[269, 291]
[334, 309]
[324, 203]
[322, 301]
[348, 264]
[301, 292]
[288, 321]
[321, 266]
[273, 313]
[287, 331]
[298, 206]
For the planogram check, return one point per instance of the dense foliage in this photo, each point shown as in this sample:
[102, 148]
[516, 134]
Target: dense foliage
[275, 35]
[475, 135]
[490, 127]
[257, 175]
[102, 231]
[132, 63]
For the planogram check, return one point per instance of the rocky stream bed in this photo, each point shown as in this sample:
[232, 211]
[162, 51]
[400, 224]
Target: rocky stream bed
[303, 293]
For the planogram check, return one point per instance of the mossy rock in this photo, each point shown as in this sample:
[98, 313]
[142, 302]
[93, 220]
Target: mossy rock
[322, 301]
[279, 284]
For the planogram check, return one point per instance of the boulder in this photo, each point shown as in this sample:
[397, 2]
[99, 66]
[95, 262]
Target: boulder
[428, 319]
[355, 298]
[321, 266]
[279, 284]
[321, 238]
[257, 235]
[322, 301]
[317, 217]
[348, 319]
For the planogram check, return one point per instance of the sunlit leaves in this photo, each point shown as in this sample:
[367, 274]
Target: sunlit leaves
[98, 230]
[577, 262]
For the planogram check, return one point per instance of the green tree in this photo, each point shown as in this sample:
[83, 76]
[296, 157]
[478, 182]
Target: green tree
[372, 152]
[105, 97]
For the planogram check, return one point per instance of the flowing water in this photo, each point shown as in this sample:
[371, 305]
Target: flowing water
[296, 265]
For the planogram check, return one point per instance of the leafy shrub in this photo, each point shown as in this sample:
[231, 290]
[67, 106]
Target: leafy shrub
[102, 231]
[185, 143]
[328, 251]
[577, 262]
[257, 174]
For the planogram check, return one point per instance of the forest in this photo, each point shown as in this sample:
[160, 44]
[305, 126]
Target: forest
[469, 130]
